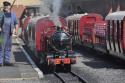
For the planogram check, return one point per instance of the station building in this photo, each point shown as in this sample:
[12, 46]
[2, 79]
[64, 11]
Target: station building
[103, 7]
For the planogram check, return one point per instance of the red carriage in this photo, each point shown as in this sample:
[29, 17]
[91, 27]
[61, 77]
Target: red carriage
[83, 27]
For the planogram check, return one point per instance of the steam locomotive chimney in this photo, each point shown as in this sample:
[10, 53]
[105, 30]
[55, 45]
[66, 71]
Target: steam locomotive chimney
[58, 28]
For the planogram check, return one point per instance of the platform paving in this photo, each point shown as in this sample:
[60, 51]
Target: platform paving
[21, 70]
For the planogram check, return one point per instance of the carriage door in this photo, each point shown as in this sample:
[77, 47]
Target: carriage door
[100, 35]
[88, 31]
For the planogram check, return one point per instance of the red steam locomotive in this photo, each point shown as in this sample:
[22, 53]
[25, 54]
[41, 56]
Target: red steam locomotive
[51, 44]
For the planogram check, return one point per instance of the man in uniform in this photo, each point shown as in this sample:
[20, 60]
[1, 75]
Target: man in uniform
[7, 25]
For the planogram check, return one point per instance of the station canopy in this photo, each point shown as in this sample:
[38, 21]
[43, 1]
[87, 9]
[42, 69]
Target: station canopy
[23, 2]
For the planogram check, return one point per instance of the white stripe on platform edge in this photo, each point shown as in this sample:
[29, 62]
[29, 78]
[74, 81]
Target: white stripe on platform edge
[40, 73]
[16, 79]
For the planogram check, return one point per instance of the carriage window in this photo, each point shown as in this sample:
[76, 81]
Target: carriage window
[121, 25]
[114, 33]
[29, 31]
[33, 33]
[118, 30]
[111, 26]
[115, 29]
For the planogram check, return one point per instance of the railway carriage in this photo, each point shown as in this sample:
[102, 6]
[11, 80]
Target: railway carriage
[82, 27]
[73, 27]
[87, 27]
[89, 30]
[116, 33]
[106, 35]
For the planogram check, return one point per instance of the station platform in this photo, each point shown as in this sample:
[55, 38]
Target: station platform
[22, 68]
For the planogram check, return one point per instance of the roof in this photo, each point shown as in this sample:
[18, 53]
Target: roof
[75, 16]
[35, 19]
[80, 16]
[116, 16]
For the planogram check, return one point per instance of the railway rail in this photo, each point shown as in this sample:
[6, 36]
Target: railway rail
[70, 77]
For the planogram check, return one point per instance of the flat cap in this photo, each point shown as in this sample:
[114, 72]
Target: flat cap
[6, 3]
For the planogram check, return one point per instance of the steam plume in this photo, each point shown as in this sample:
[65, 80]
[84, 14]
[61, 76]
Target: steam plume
[52, 8]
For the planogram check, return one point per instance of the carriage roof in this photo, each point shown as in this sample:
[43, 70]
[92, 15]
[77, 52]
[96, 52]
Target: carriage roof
[35, 19]
[75, 16]
[116, 16]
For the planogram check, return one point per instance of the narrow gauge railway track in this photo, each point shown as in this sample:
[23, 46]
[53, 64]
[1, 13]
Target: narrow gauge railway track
[69, 77]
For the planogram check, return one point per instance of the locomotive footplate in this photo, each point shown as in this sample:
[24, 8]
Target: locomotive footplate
[61, 61]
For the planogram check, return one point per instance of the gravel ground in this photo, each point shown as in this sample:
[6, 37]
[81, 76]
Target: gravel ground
[51, 78]
[92, 67]
[95, 69]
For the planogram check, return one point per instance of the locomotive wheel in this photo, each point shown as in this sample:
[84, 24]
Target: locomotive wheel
[54, 68]
[59, 68]
[51, 68]
[67, 67]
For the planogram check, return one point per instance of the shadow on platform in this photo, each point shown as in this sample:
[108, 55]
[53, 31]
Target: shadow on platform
[19, 57]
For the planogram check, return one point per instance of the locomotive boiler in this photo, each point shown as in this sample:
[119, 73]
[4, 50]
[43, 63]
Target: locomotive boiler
[51, 44]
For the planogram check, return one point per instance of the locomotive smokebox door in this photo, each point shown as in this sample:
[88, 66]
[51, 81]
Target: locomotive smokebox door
[60, 40]
[58, 28]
